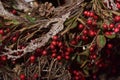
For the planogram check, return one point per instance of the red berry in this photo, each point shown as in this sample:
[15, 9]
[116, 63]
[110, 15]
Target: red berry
[52, 46]
[109, 45]
[55, 38]
[77, 38]
[85, 13]
[44, 52]
[22, 77]
[85, 32]
[111, 26]
[67, 53]
[88, 14]
[59, 57]
[1, 31]
[91, 33]
[67, 57]
[32, 58]
[14, 39]
[76, 77]
[91, 14]
[38, 50]
[80, 27]
[117, 18]
[89, 22]
[105, 27]
[116, 30]
[91, 49]
[3, 58]
[73, 42]
[60, 44]
[118, 5]
[54, 43]
[14, 12]
[118, 26]
[35, 75]
[95, 17]
[53, 55]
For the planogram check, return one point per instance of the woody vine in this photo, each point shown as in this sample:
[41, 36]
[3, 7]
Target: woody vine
[41, 42]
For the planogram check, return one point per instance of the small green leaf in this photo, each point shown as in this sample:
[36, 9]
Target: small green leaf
[1, 24]
[69, 21]
[15, 22]
[110, 36]
[74, 25]
[101, 41]
[0, 39]
[86, 72]
[85, 53]
[78, 59]
[31, 19]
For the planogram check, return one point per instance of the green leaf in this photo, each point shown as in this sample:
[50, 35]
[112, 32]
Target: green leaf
[101, 41]
[74, 25]
[110, 36]
[85, 53]
[86, 72]
[31, 19]
[0, 39]
[69, 21]
[15, 22]
[78, 59]
[1, 24]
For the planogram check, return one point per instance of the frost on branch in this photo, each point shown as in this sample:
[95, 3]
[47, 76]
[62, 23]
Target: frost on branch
[39, 42]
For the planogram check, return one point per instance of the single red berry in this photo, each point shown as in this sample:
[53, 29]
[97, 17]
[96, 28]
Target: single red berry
[80, 27]
[14, 39]
[88, 14]
[116, 30]
[89, 22]
[38, 50]
[111, 26]
[1, 31]
[54, 43]
[91, 14]
[85, 32]
[60, 44]
[67, 57]
[85, 13]
[118, 5]
[35, 75]
[55, 37]
[14, 11]
[44, 52]
[117, 18]
[32, 58]
[3, 58]
[73, 42]
[76, 77]
[105, 26]
[77, 38]
[22, 77]
[67, 53]
[95, 17]
[91, 33]
[52, 46]
[118, 26]
[91, 49]
[59, 57]
[109, 45]
[53, 55]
